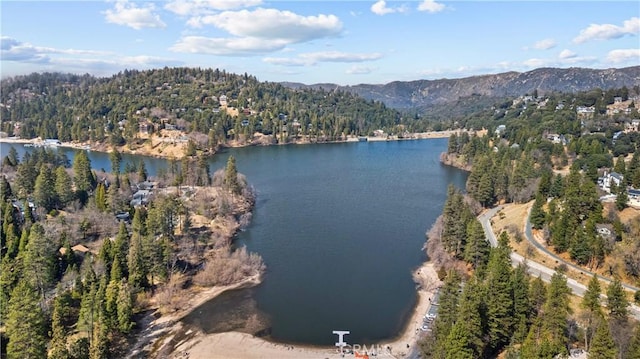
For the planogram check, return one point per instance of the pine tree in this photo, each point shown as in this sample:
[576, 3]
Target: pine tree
[44, 189]
[111, 301]
[39, 259]
[468, 337]
[617, 302]
[83, 177]
[99, 348]
[231, 176]
[63, 187]
[602, 345]
[457, 346]
[522, 308]
[116, 158]
[120, 250]
[25, 325]
[447, 311]
[125, 308]
[634, 347]
[556, 311]
[591, 299]
[58, 344]
[477, 248]
[101, 198]
[500, 308]
[538, 216]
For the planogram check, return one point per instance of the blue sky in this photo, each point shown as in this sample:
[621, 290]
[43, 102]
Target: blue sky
[344, 42]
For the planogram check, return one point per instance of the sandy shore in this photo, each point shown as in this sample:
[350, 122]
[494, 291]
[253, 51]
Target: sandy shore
[240, 345]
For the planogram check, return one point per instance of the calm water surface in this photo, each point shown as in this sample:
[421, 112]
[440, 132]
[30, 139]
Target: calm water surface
[340, 228]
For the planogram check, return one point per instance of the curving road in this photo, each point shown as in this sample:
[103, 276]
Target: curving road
[537, 269]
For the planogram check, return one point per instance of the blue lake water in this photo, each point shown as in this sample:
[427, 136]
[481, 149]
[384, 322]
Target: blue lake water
[340, 228]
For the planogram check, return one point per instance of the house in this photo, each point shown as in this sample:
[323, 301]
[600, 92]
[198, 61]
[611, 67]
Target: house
[617, 99]
[140, 198]
[634, 125]
[51, 142]
[609, 179]
[222, 100]
[378, 133]
[500, 129]
[603, 230]
[78, 249]
[634, 197]
[585, 110]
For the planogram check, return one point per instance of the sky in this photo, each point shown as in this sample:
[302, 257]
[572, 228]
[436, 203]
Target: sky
[342, 42]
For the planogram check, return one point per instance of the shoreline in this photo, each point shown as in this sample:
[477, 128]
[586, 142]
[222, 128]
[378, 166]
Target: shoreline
[101, 147]
[230, 345]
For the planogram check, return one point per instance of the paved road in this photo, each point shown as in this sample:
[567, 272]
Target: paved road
[536, 269]
[529, 235]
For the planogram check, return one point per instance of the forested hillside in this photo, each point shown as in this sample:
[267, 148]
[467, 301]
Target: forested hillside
[217, 106]
[559, 151]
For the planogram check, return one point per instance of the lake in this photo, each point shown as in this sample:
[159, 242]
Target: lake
[340, 228]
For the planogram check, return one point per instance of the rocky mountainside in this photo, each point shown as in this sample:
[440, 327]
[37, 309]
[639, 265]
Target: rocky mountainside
[425, 93]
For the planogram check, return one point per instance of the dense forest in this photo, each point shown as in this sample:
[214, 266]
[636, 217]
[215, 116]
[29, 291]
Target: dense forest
[82, 261]
[556, 157]
[219, 106]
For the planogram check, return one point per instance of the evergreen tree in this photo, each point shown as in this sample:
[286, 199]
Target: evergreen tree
[500, 308]
[477, 248]
[142, 171]
[99, 347]
[101, 198]
[116, 159]
[617, 302]
[602, 345]
[125, 308]
[44, 189]
[467, 334]
[447, 311]
[634, 347]
[25, 325]
[58, 344]
[120, 250]
[622, 198]
[457, 344]
[63, 187]
[556, 312]
[83, 177]
[538, 216]
[591, 299]
[522, 308]
[231, 176]
[39, 260]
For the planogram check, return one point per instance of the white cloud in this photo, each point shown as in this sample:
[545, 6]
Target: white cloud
[624, 55]
[257, 31]
[360, 70]
[380, 8]
[74, 60]
[535, 63]
[14, 50]
[128, 14]
[567, 54]
[609, 31]
[431, 6]
[544, 44]
[273, 24]
[199, 7]
[227, 46]
[312, 58]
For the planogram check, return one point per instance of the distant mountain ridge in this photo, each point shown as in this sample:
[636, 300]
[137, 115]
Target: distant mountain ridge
[424, 93]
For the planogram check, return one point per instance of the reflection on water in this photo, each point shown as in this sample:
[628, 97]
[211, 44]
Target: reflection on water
[234, 310]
